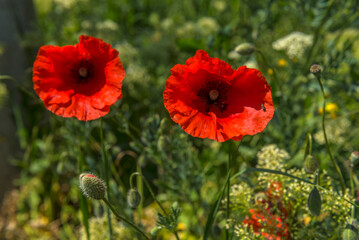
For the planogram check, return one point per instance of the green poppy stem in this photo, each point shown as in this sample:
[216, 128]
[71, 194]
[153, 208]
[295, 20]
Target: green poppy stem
[106, 171]
[83, 200]
[124, 219]
[336, 167]
[228, 187]
[151, 192]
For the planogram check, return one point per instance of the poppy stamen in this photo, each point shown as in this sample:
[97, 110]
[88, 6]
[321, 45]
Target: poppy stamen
[213, 94]
[83, 72]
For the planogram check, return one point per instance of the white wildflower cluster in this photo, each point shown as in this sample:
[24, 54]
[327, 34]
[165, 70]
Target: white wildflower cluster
[220, 5]
[202, 28]
[335, 129]
[272, 157]
[107, 25]
[187, 30]
[240, 195]
[167, 24]
[137, 74]
[294, 44]
[245, 233]
[97, 226]
[127, 53]
[207, 26]
[292, 194]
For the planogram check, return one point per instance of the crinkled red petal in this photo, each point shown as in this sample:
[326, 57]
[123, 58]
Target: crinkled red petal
[250, 105]
[62, 95]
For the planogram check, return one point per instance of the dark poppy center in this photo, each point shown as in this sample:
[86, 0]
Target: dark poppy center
[82, 71]
[214, 94]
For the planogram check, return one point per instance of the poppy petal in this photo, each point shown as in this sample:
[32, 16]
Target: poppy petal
[209, 99]
[80, 81]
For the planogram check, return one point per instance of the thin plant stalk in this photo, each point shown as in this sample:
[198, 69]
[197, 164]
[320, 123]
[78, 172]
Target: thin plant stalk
[107, 179]
[151, 192]
[83, 200]
[124, 219]
[148, 187]
[336, 167]
[228, 187]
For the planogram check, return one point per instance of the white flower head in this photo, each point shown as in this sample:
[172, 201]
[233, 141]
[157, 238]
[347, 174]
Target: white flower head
[294, 44]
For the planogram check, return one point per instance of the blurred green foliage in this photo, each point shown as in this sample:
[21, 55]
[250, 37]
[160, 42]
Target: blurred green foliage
[153, 36]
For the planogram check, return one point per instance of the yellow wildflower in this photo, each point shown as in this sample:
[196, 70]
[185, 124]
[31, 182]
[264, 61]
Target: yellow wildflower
[181, 226]
[307, 220]
[270, 71]
[282, 62]
[331, 108]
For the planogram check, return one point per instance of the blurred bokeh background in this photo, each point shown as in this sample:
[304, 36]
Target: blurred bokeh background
[39, 150]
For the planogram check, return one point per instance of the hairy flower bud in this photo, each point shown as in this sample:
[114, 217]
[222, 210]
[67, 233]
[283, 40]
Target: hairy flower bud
[133, 198]
[92, 186]
[311, 164]
[245, 49]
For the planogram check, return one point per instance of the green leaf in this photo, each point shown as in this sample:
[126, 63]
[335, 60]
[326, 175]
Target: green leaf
[85, 215]
[215, 208]
[314, 202]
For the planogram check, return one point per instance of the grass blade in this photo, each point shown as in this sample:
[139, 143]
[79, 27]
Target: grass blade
[215, 208]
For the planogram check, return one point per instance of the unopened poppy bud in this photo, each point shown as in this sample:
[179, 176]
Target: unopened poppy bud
[316, 69]
[133, 198]
[350, 232]
[354, 157]
[92, 186]
[311, 164]
[245, 49]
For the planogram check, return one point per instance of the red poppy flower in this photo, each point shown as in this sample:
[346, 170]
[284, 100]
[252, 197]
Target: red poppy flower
[209, 99]
[80, 81]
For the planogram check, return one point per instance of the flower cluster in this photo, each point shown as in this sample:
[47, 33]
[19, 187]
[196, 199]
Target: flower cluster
[203, 27]
[336, 130]
[293, 44]
[269, 216]
[276, 208]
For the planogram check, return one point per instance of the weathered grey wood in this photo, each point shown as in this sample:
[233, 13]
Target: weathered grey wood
[16, 17]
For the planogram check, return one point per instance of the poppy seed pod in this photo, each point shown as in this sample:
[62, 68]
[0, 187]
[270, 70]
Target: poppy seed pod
[350, 232]
[316, 69]
[92, 186]
[245, 49]
[133, 198]
[311, 164]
